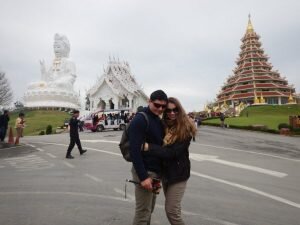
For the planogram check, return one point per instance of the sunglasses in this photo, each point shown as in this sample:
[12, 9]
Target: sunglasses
[157, 105]
[174, 110]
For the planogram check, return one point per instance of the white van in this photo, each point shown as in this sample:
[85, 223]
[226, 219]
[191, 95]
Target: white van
[107, 119]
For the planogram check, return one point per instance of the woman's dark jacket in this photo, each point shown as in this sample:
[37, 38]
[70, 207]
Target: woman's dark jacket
[177, 165]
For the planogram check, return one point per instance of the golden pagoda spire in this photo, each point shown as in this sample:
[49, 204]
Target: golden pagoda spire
[249, 27]
[224, 106]
[291, 99]
[262, 100]
[256, 100]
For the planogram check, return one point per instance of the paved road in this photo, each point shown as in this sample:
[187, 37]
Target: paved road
[238, 177]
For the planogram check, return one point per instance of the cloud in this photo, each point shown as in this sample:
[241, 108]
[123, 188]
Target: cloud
[185, 47]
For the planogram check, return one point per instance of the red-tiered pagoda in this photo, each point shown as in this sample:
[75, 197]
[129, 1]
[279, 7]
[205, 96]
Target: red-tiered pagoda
[254, 81]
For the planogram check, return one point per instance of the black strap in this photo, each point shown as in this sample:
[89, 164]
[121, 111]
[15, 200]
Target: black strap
[147, 120]
[147, 128]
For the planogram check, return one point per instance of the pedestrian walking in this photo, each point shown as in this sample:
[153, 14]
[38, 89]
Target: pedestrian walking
[4, 119]
[146, 168]
[199, 121]
[74, 135]
[222, 119]
[179, 130]
[193, 121]
[20, 124]
[196, 123]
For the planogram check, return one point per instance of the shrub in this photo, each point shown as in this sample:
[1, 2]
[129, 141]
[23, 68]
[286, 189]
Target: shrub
[49, 129]
[272, 131]
[210, 118]
[42, 132]
[211, 124]
[259, 127]
[283, 125]
[296, 131]
[241, 127]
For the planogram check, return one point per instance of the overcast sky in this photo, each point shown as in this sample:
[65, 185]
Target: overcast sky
[187, 48]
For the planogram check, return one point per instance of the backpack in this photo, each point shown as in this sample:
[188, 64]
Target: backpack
[124, 143]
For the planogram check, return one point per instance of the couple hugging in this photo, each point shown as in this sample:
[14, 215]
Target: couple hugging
[164, 155]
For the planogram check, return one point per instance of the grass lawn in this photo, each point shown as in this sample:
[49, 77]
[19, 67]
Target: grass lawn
[268, 115]
[38, 120]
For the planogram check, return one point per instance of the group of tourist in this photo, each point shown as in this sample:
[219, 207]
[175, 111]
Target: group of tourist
[19, 125]
[159, 149]
[110, 118]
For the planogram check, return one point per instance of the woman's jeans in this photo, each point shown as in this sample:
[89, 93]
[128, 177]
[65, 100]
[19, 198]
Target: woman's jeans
[174, 194]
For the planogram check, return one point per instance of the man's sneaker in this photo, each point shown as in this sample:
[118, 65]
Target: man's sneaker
[69, 157]
[82, 151]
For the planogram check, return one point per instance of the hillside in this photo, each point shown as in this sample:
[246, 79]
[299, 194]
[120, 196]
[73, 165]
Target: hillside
[38, 120]
[274, 110]
[269, 115]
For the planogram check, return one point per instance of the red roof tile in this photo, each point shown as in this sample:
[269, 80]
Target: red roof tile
[265, 85]
[242, 87]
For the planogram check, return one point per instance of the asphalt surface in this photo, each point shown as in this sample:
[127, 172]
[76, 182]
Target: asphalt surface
[238, 177]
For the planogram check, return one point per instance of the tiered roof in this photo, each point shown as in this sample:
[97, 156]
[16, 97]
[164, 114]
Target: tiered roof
[118, 77]
[253, 75]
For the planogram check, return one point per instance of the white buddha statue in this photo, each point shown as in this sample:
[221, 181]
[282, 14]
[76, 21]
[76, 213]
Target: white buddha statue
[62, 74]
[56, 86]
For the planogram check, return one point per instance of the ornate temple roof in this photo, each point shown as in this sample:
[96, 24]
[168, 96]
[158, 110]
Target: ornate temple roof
[253, 73]
[118, 77]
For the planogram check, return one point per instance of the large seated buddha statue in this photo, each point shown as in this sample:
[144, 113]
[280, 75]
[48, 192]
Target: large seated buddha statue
[57, 80]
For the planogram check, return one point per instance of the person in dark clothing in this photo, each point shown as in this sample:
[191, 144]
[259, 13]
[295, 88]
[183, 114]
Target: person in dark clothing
[74, 135]
[140, 109]
[4, 118]
[95, 119]
[222, 119]
[80, 125]
[146, 168]
[179, 130]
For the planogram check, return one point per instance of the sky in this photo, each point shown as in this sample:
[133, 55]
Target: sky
[187, 48]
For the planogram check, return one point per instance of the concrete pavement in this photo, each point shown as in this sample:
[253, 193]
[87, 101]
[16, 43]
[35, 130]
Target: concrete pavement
[238, 177]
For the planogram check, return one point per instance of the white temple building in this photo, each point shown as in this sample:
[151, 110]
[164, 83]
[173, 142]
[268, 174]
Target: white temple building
[116, 89]
[55, 89]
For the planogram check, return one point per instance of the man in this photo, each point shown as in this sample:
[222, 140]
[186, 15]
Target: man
[193, 121]
[4, 118]
[74, 135]
[146, 167]
[222, 119]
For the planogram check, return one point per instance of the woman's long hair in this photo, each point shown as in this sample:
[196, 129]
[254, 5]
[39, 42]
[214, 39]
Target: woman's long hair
[184, 127]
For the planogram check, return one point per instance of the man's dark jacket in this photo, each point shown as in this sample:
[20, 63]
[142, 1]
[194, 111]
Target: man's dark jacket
[138, 134]
[4, 121]
[74, 123]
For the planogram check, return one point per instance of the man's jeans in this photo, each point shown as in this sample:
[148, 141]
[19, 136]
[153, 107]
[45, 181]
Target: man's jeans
[144, 201]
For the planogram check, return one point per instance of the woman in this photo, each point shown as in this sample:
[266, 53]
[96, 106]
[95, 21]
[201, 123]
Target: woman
[20, 124]
[179, 131]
